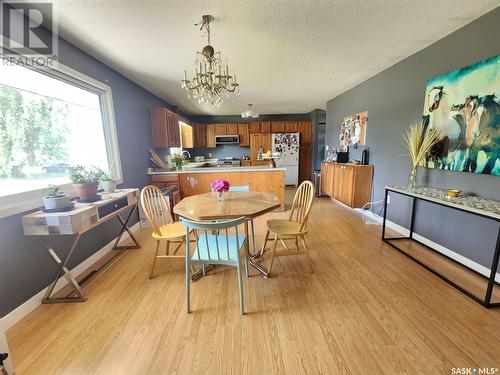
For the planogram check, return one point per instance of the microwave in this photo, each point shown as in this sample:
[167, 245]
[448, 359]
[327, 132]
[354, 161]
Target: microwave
[227, 139]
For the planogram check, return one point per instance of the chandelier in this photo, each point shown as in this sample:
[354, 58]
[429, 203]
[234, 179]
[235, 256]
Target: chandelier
[249, 113]
[212, 82]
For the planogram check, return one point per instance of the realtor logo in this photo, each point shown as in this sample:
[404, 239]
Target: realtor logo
[29, 32]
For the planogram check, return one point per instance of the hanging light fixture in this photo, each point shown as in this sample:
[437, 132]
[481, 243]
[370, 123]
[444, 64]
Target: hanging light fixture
[212, 82]
[250, 113]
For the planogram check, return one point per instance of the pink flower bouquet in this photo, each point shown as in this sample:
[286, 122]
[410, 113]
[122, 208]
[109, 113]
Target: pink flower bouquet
[220, 185]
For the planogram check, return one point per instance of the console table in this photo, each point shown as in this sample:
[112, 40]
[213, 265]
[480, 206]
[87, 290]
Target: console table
[486, 208]
[82, 218]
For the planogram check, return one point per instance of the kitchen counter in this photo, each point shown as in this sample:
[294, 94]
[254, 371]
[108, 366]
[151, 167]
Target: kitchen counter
[218, 170]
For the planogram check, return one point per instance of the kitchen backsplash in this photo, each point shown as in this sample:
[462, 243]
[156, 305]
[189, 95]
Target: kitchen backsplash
[217, 152]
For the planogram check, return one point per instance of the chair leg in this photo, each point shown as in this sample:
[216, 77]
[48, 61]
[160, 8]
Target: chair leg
[265, 242]
[275, 244]
[167, 247]
[307, 253]
[297, 243]
[240, 284]
[151, 272]
[188, 288]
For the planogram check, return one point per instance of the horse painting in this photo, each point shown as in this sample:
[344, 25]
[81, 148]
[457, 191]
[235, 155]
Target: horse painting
[463, 105]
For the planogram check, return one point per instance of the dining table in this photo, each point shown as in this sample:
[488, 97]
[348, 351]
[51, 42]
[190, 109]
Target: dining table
[235, 204]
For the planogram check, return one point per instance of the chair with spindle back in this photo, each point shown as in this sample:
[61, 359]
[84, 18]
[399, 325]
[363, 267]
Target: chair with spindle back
[164, 228]
[294, 227]
[217, 242]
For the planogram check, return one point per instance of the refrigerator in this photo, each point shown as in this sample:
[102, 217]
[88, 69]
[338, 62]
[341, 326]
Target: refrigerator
[286, 151]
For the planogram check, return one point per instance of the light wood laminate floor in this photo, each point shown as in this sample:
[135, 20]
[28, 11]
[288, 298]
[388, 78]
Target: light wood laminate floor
[366, 309]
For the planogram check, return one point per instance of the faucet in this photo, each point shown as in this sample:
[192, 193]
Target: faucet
[187, 152]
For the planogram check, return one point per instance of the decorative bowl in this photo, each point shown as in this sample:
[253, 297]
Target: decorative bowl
[453, 193]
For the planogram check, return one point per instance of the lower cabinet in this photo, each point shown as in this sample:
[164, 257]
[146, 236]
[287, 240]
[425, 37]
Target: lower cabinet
[348, 183]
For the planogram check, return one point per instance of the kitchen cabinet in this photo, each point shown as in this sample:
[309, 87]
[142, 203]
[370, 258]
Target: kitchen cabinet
[265, 126]
[257, 140]
[291, 127]
[187, 135]
[327, 178]
[254, 127]
[231, 129]
[210, 132]
[242, 129]
[200, 135]
[165, 129]
[304, 128]
[163, 180]
[348, 183]
[220, 129]
[277, 126]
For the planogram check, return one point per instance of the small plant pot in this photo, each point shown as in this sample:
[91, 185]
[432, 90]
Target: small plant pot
[108, 186]
[56, 203]
[87, 192]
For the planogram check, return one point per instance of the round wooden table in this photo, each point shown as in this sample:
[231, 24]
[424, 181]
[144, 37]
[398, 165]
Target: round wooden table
[247, 204]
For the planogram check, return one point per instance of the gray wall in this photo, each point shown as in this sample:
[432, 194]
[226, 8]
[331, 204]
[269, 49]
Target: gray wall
[25, 268]
[393, 99]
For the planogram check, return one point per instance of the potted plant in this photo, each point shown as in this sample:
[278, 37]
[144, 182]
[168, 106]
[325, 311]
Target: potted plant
[107, 182]
[419, 142]
[178, 160]
[220, 186]
[85, 181]
[55, 199]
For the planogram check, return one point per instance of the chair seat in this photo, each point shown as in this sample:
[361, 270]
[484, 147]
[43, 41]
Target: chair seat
[212, 239]
[284, 227]
[171, 231]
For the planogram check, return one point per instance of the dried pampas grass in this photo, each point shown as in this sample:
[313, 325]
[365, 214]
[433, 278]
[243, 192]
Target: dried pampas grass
[419, 142]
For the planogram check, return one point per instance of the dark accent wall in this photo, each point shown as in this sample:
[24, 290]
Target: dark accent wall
[393, 99]
[25, 267]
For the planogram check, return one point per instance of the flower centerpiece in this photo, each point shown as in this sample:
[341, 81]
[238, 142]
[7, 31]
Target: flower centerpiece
[220, 186]
[419, 142]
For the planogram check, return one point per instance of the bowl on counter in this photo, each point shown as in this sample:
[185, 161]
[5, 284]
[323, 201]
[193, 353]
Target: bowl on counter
[453, 193]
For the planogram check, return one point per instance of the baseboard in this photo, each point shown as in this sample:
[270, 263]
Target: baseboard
[485, 271]
[27, 307]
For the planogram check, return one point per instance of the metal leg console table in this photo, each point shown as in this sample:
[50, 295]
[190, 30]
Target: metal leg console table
[486, 208]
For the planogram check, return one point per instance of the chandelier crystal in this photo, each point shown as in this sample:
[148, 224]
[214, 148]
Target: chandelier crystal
[212, 82]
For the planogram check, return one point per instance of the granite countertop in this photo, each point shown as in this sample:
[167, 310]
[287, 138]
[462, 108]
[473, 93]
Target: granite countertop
[471, 203]
[218, 169]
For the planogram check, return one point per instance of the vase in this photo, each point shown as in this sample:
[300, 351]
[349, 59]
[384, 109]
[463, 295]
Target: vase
[220, 196]
[108, 186]
[413, 179]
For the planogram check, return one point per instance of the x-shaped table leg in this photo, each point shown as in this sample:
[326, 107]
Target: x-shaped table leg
[124, 229]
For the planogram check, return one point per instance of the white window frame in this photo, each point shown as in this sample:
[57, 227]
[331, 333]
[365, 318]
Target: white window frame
[21, 202]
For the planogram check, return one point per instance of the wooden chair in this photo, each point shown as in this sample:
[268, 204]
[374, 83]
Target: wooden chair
[294, 227]
[216, 243]
[164, 227]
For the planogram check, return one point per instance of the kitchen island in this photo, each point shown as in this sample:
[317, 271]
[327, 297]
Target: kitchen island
[196, 180]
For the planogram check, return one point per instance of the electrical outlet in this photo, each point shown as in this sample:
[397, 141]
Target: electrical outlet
[388, 199]
[209, 154]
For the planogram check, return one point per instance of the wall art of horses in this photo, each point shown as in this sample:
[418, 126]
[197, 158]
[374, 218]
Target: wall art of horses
[464, 106]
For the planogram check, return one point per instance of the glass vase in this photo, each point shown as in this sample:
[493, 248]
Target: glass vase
[220, 196]
[413, 179]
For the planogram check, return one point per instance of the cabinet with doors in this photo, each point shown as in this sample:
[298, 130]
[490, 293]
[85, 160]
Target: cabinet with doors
[348, 183]
[291, 127]
[304, 128]
[200, 135]
[277, 126]
[229, 129]
[257, 140]
[165, 129]
[260, 127]
[210, 136]
[244, 135]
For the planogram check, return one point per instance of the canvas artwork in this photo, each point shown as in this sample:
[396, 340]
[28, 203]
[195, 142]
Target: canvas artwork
[463, 105]
[353, 130]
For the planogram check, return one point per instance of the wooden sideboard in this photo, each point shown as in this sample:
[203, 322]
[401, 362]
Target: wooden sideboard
[348, 183]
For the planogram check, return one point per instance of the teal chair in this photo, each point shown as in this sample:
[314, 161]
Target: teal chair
[217, 242]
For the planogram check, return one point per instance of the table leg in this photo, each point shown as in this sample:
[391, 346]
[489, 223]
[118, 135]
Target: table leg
[258, 267]
[62, 269]
[124, 229]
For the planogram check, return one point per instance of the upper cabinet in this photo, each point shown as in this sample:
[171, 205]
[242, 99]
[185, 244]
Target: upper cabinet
[200, 136]
[242, 128]
[164, 128]
[291, 127]
[277, 126]
[265, 126]
[210, 136]
[187, 135]
[260, 127]
[229, 129]
[254, 127]
[220, 129]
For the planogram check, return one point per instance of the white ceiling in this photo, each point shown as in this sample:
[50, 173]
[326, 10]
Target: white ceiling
[289, 56]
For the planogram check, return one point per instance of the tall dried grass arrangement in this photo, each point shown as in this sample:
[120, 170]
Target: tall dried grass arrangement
[419, 142]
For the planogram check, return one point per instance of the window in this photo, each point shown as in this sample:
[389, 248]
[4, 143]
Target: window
[49, 121]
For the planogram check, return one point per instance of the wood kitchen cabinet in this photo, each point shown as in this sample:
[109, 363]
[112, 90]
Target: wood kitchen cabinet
[164, 128]
[265, 126]
[257, 140]
[254, 127]
[348, 183]
[163, 180]
[232, 129]
[304, 129]
[220, 129]
[277, 126]
[187, 135]
[210, 133]
[200, 135]
[291, 127]
[242, 128]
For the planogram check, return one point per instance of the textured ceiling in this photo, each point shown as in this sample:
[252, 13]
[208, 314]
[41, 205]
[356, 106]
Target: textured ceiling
[289, 56]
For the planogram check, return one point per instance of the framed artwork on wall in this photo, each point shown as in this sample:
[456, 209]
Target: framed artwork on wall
[463, 105]
[353, 130]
